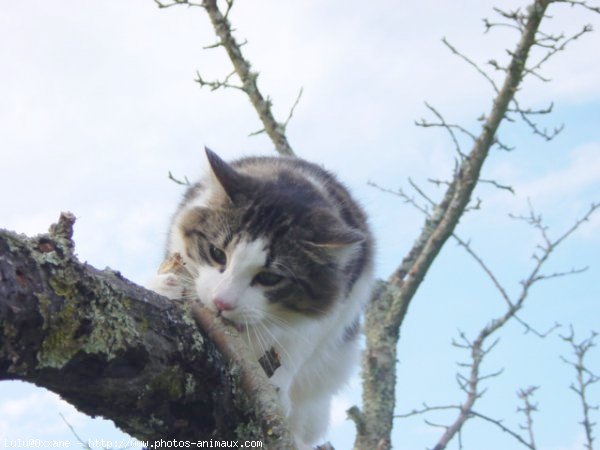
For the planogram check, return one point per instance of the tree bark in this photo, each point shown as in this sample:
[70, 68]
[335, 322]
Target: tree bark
[116, 350]
[385, 315]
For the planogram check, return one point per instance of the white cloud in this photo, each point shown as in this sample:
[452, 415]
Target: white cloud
[36, 415]
[17, 407]
[581, 173]
[562, 192]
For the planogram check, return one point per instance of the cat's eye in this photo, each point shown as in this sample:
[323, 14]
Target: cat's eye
[267, 278]
[217, 255]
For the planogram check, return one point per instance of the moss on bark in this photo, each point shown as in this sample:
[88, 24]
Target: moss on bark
[114, 349]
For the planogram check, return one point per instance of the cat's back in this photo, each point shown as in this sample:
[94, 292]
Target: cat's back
[306, 182]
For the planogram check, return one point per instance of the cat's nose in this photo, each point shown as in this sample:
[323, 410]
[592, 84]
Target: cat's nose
[223, 305]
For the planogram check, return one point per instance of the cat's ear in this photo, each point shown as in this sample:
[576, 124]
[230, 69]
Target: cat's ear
[329, 232]
[233, 183]
[331, 236]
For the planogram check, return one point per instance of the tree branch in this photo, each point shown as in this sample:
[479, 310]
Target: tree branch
[242, 68]
[471, 385]
[498, 423]
[274, 129]
[387, 312]
[114, 349]
[528, 409]
[585, 378]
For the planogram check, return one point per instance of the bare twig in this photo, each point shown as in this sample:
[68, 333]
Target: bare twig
[274, 129]
[80, 441]
[177, 3]
[498, 185]
[449, 127]
[293, 108]
[585, 378]
[184, 182]
[498, 423]
[582, 3]
[517, 18]
[217, 84]
[540, 334]
[528, 409]
[471, 384]
[525, 113]
[404, 196]
[248, 78]
[553, 43]
[554, 49]
[485, 268]
[474, 65]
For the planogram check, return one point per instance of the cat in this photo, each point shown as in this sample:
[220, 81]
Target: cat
[278, 246]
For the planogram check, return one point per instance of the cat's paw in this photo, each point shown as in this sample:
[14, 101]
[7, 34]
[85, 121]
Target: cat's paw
[167, 284]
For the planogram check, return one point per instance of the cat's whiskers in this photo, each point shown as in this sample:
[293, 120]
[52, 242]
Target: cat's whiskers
[247, 332]
[264, 352]
[262, 332]
[260, 339]
[190, 274]
[280, 323]
[264, 313]
[187, 282]
[189, 294]
[249, 315]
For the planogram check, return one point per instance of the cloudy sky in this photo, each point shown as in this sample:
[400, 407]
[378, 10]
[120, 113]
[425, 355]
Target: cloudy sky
[98, 103]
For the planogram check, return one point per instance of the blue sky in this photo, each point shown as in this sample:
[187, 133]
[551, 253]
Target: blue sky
[98, 103]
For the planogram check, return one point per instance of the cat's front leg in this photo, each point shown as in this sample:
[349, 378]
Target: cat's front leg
[167, 284]
[282, 380]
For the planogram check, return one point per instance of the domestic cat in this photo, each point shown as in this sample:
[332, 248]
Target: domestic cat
[278, 246]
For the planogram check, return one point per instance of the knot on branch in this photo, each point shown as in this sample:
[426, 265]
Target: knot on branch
[59, 239]
[62, 230]
[357, 416]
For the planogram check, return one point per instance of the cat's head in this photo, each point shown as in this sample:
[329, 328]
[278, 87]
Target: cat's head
[262, 241]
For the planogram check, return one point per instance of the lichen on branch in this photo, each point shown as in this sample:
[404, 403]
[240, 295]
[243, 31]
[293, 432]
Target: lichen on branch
[114, 349]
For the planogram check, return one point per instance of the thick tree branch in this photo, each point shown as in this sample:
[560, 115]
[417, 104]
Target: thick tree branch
[459, 192]
[389, 309]
[114, 349]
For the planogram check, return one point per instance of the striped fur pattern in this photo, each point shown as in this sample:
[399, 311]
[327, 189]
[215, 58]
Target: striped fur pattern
[278, 247]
